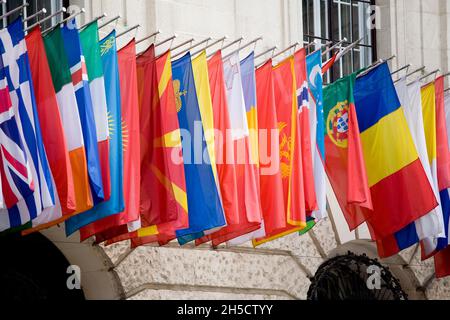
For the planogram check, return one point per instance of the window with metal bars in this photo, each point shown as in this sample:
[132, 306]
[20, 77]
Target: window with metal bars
[33, 7]
[333, 20]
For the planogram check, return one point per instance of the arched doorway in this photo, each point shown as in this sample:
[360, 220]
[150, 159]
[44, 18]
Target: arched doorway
[32, 268]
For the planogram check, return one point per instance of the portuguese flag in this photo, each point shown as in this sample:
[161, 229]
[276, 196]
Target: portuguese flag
[345, 165]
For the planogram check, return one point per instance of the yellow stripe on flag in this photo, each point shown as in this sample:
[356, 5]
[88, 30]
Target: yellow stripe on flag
[388, 147]
[169, 140]
[179, 194]
[165, 77]
[148, 232]
[429, 120]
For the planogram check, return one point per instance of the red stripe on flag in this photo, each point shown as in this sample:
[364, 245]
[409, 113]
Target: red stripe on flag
[5, 100]
[8, 195]
[19, 167]
[397, 204]
[442, 263]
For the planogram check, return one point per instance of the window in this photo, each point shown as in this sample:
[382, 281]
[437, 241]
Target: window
[33, 7]
[332, 20]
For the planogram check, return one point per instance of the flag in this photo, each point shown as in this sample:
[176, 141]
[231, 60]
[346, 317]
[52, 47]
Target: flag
[204, 204]
[131, 149]
[315, 83]
[431, 225]
[77, 65]
[272, 203]
[226, 165]
[115, 204]
[344, 164]
[438, 140]
[53, 133]
[305, 127]
[291, 167]
[163, 208]
[91, 49]
[393, 167]
[16, 66]
[68, 108]
[249, 206]
[15, 172]
[442, 259]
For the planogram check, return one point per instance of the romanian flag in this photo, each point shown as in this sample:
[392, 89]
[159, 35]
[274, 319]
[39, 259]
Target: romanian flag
[65, 94]
[163, 188]
[291, 167]
[115, 204]
[305, 131]
[271, 182]
[53, 133]
[131, 148]
[91, 49]
[204, 203]
[394, 170]
[430, 226]
[345, 165]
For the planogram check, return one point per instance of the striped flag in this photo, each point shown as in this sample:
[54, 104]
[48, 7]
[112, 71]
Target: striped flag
[16, 65]
[80, 81]
[115, 204]
[315, 83]
[65, 94]
[91, 50]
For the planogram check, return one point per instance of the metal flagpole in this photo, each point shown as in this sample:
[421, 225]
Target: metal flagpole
[228, 46]
[154, 34]
[266, 52]
[110, 21]
[322, 46]
[374, 65]
[401, 69]
[411, 73]
[82, 11]
[104, 15]
[340, 43]
[166, 40]
[14, 11]
[446, 74]
[42, 11]
[210, 45]
[128, 30]
[63, 10]
[295, 45]
[425, 76]
[178, 46]
[192, 47]
[255, 41]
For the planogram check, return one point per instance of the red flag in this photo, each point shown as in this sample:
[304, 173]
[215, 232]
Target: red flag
[443, 152]
[442, 263]
[53, 133]
[271, 183]
[291, 166]
[224, 152]
[130, 130]
[305, 131]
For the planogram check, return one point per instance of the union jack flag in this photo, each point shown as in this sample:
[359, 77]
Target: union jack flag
[16, 70]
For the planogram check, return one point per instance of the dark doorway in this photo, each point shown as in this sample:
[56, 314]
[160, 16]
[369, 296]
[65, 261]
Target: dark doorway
[33, 269]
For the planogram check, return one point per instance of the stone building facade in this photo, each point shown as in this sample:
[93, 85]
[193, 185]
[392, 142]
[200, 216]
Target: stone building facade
[417, 32]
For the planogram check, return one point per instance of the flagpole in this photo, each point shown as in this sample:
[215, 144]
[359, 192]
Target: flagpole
[425, 76]
[128, 31]
[228, 46]
[322, 45]
[178, 46]
[154, 34]
[401, 69]
[110, 21]
[255, 41]
[26, 4]
[273, 49]
[210, 45]
[42, 11]
[82, 11]
[192, 47]
[411, 73]
[104, 15]
[295, 45]
[334, 46]
[63, 10]
[166, 40]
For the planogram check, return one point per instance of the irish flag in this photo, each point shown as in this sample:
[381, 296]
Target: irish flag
[91, 50]
[65, 94]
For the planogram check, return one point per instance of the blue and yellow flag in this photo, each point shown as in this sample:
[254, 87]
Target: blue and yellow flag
[204, 204]
[115, 204]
